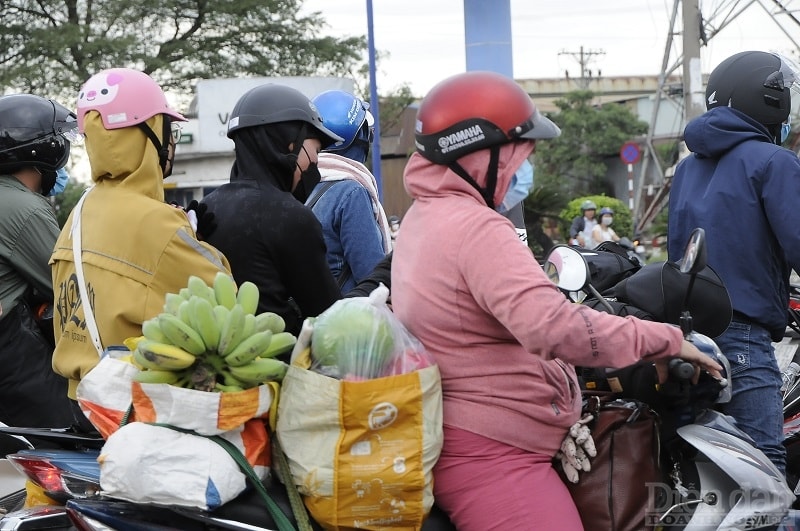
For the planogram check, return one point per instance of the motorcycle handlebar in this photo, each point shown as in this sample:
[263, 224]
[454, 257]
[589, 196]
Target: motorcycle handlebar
[681, 370]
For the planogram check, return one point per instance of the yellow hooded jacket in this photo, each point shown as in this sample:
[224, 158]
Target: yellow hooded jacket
[136, 249]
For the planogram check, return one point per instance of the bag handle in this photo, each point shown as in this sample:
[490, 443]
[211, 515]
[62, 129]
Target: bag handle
[88, 313]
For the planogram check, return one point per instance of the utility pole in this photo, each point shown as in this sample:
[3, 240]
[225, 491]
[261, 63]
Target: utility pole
[693, 93]
[583, 57]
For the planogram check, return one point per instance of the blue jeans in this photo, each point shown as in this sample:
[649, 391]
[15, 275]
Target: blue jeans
[756, 405]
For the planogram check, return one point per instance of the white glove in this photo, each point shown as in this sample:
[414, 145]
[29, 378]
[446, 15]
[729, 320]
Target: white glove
[576, 449]
[192, 215]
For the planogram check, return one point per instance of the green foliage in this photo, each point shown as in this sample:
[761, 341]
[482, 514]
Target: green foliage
[51, 47]
[623, 221]
[64, 202]
[575, 162]
[540, 208]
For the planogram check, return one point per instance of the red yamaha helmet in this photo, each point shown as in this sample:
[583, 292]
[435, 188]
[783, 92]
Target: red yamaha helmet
[475, 110]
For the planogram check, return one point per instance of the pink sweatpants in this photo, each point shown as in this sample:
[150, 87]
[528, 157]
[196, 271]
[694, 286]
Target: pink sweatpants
[483, 485]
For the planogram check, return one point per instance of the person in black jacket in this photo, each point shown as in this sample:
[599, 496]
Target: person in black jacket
[35, 137]
[262, 226]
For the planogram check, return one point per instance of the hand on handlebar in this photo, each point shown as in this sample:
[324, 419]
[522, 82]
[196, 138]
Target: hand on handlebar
[689, 353]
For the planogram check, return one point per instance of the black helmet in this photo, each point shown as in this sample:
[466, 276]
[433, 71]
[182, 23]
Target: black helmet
[755, 83]
[271, 103]
[34, 132]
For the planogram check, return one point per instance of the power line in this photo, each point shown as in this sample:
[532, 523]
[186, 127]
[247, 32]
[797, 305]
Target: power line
[583, 57]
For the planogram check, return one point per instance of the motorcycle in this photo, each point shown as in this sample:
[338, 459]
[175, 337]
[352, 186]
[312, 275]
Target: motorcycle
[713, 475]
[69, 478]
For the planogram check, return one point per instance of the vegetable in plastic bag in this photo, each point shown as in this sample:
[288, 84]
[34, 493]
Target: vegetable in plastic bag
[360, 338]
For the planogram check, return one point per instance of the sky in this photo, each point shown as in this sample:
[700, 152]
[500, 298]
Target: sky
[424, 39]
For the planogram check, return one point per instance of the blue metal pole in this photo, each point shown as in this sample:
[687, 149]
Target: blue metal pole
[487, 41]
[487, 35]
[374, 104]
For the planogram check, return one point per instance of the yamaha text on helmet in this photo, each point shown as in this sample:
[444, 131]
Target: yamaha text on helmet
[759, 84]
[473, 111]
[125, 97]
[35, 132]
[348, 117]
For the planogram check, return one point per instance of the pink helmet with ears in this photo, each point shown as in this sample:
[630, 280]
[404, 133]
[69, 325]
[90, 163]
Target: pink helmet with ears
[123, 97]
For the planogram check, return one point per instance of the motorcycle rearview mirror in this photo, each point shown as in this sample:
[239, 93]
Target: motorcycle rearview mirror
[694, 257]
[694, 260]
[567, 268]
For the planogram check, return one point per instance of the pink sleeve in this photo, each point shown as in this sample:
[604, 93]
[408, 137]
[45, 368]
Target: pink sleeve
[508, 282]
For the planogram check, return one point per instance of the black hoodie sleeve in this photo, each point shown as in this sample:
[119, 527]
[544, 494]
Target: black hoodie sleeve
[382, 274]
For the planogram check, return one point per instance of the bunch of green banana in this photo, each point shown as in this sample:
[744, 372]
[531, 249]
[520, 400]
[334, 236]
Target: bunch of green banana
[210, 338]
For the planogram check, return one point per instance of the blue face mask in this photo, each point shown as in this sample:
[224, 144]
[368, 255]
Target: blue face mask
[61, 182]
[521, 184]
[786, 128]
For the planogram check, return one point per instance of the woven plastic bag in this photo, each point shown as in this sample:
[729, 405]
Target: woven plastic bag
[361, 450]
[143, 463]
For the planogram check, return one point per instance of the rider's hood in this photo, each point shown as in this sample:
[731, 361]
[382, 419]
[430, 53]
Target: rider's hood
[424, 179]
[124, 157]
[719, 130]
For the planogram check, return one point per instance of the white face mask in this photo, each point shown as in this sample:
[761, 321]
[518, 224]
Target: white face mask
[606, 220]
[521, 185]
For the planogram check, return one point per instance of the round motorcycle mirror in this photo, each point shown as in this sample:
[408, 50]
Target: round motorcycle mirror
[694, 257]
[566, 268]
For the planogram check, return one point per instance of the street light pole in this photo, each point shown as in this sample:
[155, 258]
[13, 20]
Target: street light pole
[374, 104]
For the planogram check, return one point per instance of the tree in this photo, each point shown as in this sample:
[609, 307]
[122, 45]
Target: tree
[50, 47]
[575, 162]
[64, 202]
[542, 207]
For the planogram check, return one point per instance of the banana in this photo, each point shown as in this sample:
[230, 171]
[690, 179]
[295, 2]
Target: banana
[270, 321]
[132, 342]
[231, 332]
[181, 334]
[250, 348]
[249, 325]
[230, 379]
[197, 286]
[281, 343]
[171, 303]
[202, 320]
[227, 388]
[248, 297]
[184, 311]
[143, 363]
[166, 356]
[225, 290]
[260, 370]
[156, 376]
[152, 330]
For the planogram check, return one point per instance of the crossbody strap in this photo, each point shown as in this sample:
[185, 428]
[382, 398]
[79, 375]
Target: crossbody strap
[323, 187]
[88, 313]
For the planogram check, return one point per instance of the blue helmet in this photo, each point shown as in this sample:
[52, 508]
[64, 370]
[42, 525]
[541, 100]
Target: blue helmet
[345, 115]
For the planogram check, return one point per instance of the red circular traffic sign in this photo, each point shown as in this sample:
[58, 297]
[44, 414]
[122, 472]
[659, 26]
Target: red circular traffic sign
[630, 153]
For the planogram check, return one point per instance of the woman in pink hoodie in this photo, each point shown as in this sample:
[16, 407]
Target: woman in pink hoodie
[504, 337]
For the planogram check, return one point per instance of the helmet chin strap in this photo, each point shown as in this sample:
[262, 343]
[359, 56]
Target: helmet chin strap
[491, 176]
[161, 147]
